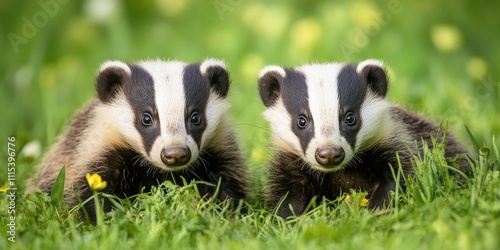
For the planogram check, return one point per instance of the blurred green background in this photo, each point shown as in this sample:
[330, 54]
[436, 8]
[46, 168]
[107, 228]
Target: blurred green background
[443, 56]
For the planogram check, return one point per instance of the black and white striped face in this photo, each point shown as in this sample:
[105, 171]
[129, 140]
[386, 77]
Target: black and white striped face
[325, 113]
[165, 111]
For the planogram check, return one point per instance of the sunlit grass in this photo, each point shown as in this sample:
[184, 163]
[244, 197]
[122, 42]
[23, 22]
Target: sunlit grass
[441, 63]
[436, 211]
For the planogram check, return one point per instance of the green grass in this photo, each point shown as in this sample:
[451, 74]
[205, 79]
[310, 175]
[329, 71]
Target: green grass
[442, 63]
[436, 211]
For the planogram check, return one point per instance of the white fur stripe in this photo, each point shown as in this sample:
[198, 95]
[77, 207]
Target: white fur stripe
[170, 104]
[115, 64]
[367, 62]
[274, 68]
[209, 63]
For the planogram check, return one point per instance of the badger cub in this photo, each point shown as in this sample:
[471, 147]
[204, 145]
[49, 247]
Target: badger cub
[150, 122]
[334, 130]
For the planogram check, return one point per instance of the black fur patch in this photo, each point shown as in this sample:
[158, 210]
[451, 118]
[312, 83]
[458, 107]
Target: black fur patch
[376, 78]
[371, 174]
[109, 82]
[140, 93]
[126, 176]
[295, 97]
[269, 88]
[196, 91]
[351, 93]
[218, 78]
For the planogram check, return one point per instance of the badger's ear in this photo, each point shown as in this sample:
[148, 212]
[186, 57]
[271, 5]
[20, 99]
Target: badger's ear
[373, 72]
[270, 80]
[217, 75]
[112, 75]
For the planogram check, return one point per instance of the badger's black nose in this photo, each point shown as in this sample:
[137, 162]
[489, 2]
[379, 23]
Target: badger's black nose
[175, 157]
[329, 156]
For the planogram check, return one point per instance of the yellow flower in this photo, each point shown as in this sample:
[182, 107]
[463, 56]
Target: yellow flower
[363, 202]
[5, 187]
[348, 199]
[95, 182]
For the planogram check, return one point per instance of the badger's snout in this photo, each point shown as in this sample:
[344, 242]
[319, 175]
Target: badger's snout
[329, 156]
[175, 157]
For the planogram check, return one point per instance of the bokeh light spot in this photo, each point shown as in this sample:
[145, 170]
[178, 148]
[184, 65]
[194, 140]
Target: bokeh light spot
[446, 38]
[477, 68]
[306, 33]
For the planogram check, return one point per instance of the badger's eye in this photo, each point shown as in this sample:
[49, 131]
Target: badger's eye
[350, 119]
[195, 118]
[302, 122]
[147, 120]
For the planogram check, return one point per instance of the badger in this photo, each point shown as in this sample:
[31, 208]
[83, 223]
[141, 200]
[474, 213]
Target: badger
[150, 122]
[333, 130]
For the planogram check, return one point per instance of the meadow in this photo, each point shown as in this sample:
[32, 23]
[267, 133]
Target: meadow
[442, 56]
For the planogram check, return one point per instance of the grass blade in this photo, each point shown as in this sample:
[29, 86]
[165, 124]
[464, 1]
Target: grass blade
[474, 142]
[57, 192]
